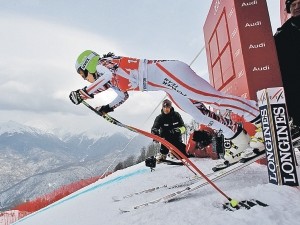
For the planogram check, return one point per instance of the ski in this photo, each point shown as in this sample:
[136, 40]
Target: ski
[185, 160]
[178, 185]
[247, 204]
[118, 198]
[215, 176]
[201, 183]
[242, 160]
[222, 166]
[171, 162]
[165, 186]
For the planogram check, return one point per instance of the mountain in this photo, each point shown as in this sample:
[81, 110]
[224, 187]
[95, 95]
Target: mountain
[94, 204]
[34, 162]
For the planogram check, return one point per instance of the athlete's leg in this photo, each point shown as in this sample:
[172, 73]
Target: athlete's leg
[233, 132]
[202, 115]
[178, 76]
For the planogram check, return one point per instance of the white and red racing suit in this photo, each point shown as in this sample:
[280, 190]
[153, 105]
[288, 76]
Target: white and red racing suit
[183, 86]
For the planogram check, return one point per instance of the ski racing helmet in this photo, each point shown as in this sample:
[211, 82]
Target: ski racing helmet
[87, 60]
[288, 5]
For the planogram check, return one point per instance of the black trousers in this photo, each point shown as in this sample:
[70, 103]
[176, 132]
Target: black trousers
[293, 106]
[178, 144]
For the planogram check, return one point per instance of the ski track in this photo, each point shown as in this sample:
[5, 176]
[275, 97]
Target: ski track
[199, 207]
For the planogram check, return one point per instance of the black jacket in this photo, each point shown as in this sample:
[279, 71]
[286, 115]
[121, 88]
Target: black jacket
[164, 123]
[287, 40]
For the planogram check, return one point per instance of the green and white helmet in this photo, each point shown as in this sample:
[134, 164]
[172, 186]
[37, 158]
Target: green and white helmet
[87, 60]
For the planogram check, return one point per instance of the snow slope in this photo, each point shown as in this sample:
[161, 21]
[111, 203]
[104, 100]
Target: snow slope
[94, 205]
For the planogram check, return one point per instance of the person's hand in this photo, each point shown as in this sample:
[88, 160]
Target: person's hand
[104, 109]
[175, 131]
[75, 97]
[78, 96]
[110, 54]
[155, 131]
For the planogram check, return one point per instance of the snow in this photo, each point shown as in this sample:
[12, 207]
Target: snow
[11, 127]
[94, 205]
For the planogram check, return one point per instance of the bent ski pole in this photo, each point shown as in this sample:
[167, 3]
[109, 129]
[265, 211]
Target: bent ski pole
[116, 122]
[234, 203]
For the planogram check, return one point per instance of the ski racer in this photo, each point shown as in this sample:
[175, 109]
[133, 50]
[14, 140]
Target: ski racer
[183, 86]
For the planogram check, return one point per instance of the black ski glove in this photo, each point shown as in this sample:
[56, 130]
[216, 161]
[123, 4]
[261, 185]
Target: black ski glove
[110, 54]
[156, 132]
[75, 97]
[78, 96]
[105, 109]
[175, 131]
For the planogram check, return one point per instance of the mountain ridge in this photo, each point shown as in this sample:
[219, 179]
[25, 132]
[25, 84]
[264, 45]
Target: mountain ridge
[31, 159]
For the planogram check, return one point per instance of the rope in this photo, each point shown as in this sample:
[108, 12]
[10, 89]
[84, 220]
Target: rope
[197, 55]
[118, 155]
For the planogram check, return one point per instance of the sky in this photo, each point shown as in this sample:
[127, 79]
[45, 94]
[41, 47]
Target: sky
[40, 41]
[95, 203]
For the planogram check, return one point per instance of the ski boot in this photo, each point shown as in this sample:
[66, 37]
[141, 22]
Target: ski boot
[257, 146]
[160, 157]
[234, 148]
[171, 156]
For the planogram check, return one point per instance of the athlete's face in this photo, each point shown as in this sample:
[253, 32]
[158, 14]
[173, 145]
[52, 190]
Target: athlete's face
[86, 75]
[295, 8]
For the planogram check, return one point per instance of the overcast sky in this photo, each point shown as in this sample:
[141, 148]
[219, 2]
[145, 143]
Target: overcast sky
[40, 41]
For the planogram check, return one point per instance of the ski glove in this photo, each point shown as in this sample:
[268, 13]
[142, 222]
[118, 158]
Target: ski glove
[105, 109]
[168, 133]
[78, 96]
[175, 131]
[156, 132]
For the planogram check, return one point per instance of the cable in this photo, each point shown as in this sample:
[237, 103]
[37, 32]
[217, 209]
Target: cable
[197, 55]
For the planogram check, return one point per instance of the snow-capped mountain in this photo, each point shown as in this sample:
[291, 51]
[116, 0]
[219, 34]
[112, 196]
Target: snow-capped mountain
[34, 162]
[12, 127]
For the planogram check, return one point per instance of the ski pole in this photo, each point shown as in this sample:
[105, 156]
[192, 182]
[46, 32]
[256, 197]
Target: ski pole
[116, 122]
[234, 203]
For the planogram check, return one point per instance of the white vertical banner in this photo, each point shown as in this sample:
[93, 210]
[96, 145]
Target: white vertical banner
[278, 143]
